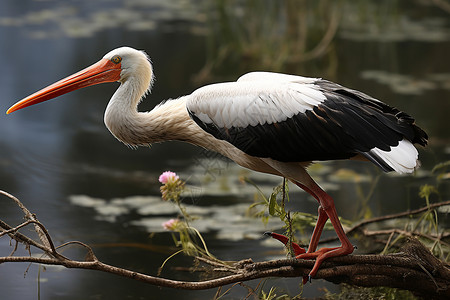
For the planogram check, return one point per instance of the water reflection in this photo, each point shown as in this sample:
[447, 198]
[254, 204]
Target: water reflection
[59, 150]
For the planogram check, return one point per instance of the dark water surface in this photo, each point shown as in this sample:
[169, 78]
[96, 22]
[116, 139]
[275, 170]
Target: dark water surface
[61, 161]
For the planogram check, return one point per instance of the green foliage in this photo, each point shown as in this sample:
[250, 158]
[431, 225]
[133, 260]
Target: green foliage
[355, 293]
[442, 170]
[426, 227]
[274, 206]
[270, 295]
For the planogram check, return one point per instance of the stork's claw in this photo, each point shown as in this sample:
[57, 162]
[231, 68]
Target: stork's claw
[297, 249]
[284, 239]
[307, 279]
[320, 255]
[324, 253]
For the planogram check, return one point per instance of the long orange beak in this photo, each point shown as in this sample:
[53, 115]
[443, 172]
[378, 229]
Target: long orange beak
[102, 71]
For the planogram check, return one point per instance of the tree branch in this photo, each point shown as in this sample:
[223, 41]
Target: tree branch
[414, 268]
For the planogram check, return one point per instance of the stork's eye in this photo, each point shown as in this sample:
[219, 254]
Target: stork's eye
[116, 59]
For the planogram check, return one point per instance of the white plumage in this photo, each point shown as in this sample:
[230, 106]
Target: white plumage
[244, 103]
[403, 158]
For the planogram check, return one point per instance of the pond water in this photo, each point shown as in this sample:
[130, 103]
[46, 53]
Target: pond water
[61, 161]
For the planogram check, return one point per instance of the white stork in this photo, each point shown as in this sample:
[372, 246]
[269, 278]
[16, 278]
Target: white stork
[268, 122]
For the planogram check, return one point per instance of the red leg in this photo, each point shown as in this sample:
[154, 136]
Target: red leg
[326, 210]
[321, 220]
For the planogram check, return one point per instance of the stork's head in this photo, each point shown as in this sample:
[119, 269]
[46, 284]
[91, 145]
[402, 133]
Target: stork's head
[133, 64]
[121, 64]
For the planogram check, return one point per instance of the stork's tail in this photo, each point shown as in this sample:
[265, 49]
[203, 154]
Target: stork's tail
[402, 158]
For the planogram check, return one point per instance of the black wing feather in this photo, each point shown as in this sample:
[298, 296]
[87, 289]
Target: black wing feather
[347, 123]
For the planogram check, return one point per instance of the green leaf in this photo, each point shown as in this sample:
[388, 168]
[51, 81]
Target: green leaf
[272, 204]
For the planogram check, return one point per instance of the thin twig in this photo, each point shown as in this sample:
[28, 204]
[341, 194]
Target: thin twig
[22, 238]
[40, 230]
[405, 233]
[388, 217]
[38, 226]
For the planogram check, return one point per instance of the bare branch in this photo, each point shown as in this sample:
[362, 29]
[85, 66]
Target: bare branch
[406, 269]
[39, 228]
[387, 217]
[414, 268]
[19, 237]
[408, 234]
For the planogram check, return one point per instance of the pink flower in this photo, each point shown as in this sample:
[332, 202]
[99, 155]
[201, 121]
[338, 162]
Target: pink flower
[171, 224]
[168, 176]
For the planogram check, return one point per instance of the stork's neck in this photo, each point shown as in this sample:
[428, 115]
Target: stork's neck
[168, 121]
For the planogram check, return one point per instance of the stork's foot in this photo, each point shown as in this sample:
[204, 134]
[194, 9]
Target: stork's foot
[322, 254]
[284, 239]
